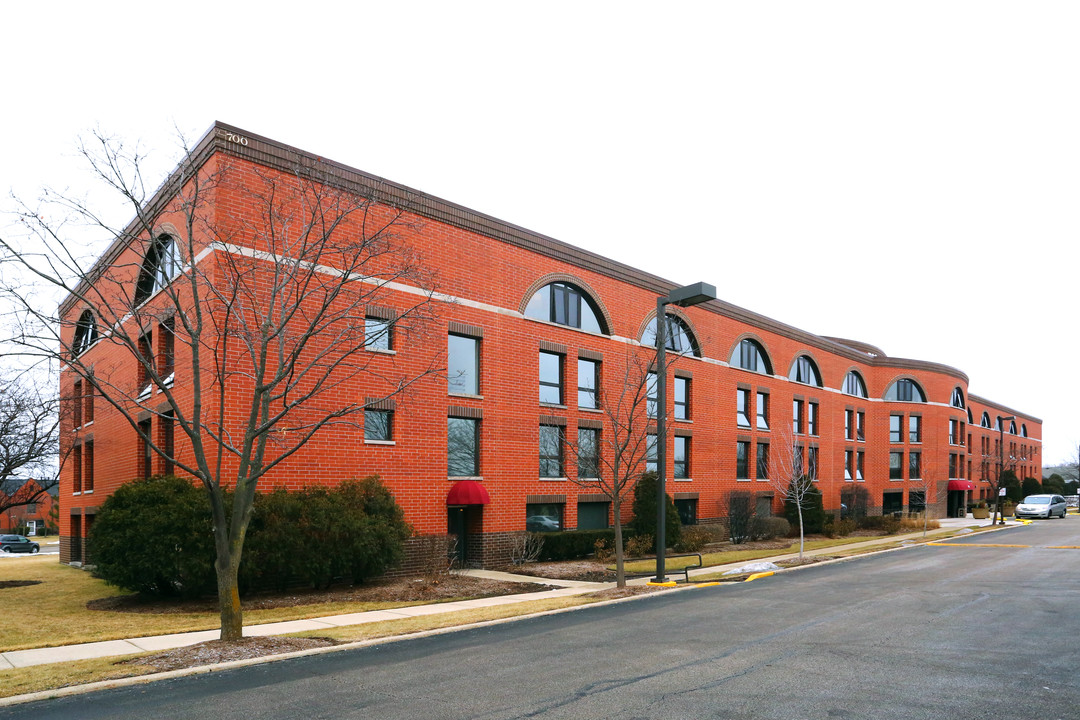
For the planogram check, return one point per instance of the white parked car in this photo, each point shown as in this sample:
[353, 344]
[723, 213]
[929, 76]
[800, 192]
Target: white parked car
[1044, 506]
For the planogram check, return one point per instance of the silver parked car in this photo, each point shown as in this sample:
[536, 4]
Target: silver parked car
[1041, 506]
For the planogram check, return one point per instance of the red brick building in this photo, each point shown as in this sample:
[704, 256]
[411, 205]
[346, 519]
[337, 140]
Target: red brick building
[533, 332]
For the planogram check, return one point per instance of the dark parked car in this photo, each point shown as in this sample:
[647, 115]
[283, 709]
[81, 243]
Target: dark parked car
[17, 544]
[1044, 506]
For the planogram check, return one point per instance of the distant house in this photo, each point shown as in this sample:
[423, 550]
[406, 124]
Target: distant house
[16, 513]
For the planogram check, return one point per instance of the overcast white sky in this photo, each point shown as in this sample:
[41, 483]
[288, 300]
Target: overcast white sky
[908, 172]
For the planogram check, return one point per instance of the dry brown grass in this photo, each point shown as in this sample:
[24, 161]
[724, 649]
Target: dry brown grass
[62, 594]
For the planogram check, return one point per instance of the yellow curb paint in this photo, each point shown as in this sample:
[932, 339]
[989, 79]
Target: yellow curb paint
[670, 583]
[708, 584]
[755, 576]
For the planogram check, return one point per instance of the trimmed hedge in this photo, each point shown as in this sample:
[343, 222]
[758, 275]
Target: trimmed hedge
[574, 544]
[155, 536]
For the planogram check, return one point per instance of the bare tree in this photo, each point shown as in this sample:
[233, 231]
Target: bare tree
[790, 477]
[1002, 467]
[29, 422]
[235, 309]
[929, 484]
[611, 458]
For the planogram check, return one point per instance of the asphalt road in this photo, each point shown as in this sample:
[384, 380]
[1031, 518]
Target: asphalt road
[955, 631]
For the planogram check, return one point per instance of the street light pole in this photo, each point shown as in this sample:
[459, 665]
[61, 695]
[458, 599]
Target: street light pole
[1001, 463]
[683, 297]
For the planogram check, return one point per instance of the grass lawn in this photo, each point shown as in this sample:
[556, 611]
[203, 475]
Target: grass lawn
[48, 677]
[61, 617]
[734, 556]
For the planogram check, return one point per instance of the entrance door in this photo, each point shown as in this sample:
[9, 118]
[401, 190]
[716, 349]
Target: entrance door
[956, 505]
[456, 528]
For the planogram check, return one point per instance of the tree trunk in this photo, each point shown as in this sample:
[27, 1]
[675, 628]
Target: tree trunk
[620, 571]
[232, 616]
[801, 535]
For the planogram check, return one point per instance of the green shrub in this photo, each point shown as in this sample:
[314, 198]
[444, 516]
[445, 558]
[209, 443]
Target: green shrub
[693, 538]
[844, 527]
[155, 536]
[813, 512]
[573, 544]
[768, 527]
[640, 546]
[644, 520]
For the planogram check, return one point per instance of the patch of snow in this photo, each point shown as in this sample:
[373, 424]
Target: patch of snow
[753, 568]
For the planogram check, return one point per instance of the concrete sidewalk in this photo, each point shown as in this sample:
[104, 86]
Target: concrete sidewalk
[154, 643]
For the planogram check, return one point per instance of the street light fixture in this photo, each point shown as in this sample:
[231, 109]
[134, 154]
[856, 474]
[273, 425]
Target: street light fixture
[683, 297]
[1001, 462]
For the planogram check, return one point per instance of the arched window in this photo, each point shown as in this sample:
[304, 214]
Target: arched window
[985, 422]
[971, 420]
[749, 355]
[905, 390]
[1012, 427]
[678, 337]
[957, 400]
[1023, 430]
[565, 304]
[161, 265]
[85, 333]
[854, 385]
[804, 371]
[998, 424]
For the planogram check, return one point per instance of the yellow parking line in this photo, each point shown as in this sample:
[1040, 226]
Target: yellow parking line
[945, 544]
[1064, 547]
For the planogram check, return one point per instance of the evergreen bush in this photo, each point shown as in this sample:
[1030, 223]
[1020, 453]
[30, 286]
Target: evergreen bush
[644, 520]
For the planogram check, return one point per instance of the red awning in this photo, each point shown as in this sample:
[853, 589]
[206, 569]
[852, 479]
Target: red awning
[467, 492]
[961, 485]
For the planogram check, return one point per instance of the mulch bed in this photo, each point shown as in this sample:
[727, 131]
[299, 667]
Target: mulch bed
[17, 583]
[426, 590]
[219, 651]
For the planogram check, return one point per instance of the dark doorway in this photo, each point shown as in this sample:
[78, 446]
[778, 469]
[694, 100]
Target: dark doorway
[456, 528]
[956, 506]
[465, 525]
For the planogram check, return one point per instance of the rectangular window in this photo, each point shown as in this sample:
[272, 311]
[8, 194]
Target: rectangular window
[763, 411]
[378, 425]
[544, 517]
[687, 509]
[895, 423]
[551, 372]
[588, 384]
[588, 455]
[914, 465]
[813, 417]
[952, 465]
[742, 415]
[763, 461]
[463, 365]
[812, 463]
[797, 416]
[896, 466]
[797, 460]
[146, 453]
[849, 465]
[88, 466]
[77, 404]
[916, 501]
[860, 464]
[376, 333]
[650, 394]
[168, 440]
[551, 451]
[146, 361]
[742, 460]
[76, 469]
[650, 453]
[167, 354]
[849, 424]
[914, 428]
[462, 447]
[860, 426]
[681, 469]
[88, 403]
[682, 398]
[593, 515]
[953, 437]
